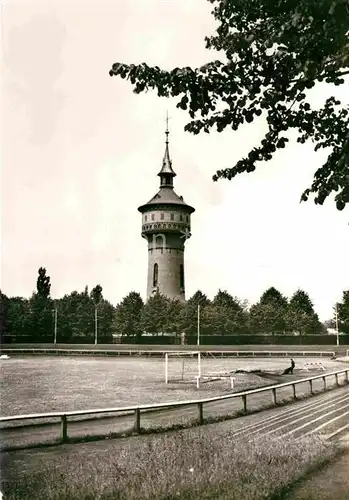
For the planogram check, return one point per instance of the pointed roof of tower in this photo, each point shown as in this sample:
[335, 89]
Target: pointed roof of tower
[166, 162]
[166, 194]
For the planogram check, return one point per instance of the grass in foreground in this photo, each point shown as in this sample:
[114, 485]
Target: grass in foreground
[184, 465]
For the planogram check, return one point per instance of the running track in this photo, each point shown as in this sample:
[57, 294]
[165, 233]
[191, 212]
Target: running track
[326, 414]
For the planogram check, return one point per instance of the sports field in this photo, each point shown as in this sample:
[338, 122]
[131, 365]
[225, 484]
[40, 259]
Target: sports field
[32, 384]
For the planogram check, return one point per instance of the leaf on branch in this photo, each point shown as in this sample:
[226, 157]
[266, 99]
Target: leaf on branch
[274, 52]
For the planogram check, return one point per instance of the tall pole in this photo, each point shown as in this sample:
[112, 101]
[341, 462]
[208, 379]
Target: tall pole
[166, 368]
[336, 317]
[96, 325]
[198, 338]
[198, 342]
[56, 314]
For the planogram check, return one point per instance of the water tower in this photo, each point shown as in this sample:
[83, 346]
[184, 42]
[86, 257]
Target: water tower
[166, 227]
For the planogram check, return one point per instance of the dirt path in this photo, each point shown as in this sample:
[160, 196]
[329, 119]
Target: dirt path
[329, 483]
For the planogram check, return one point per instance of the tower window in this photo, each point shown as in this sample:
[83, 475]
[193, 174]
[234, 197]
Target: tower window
[187, 218]
[172, 216]
[181, 217]
[152, 217]
[145, 218]
[162, 216]
[181, 276]
[156, 275]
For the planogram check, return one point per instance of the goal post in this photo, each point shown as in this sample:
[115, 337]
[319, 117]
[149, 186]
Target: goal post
[184, 367]
[194, 369]
[188, 363]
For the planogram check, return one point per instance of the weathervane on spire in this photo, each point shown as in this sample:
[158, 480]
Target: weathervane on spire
[167, 131]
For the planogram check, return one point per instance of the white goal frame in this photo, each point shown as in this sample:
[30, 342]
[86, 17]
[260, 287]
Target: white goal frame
[186, 353]
[182, 355]
[199, 378]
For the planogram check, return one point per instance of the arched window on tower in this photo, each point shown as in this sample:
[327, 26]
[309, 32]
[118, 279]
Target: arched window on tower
[181, 276]
[155, 275]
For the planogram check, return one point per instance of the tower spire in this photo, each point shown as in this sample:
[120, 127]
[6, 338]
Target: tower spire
[167, 131]
[166, 173]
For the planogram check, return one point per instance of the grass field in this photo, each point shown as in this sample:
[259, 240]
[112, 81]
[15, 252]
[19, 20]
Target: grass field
[189, 464]
[33, 385]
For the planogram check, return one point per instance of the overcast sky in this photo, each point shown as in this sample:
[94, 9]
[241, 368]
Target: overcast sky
[80, 152]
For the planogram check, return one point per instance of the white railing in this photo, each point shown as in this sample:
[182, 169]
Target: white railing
[149, 352]
[136, 410]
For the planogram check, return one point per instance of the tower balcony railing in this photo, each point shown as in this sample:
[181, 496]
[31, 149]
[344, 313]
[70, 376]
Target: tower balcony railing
[155, 227]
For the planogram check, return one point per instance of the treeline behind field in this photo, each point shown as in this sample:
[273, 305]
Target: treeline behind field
[225, 320]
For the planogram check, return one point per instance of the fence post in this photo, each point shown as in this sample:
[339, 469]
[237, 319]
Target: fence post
[137, 422]
[294, 391]
[244, 401]
[311, 386]
[337, 383]
[232, 382]
[274, 395]
[347, 376]
[200, 413]
[324, 380]
[64, 428]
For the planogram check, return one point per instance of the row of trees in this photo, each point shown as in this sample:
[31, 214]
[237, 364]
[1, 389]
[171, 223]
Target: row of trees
[79, 312]
[223, 315]
[226, 315]
[33, 319]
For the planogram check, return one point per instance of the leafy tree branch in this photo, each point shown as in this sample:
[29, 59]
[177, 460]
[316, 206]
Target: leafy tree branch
[273, 53]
